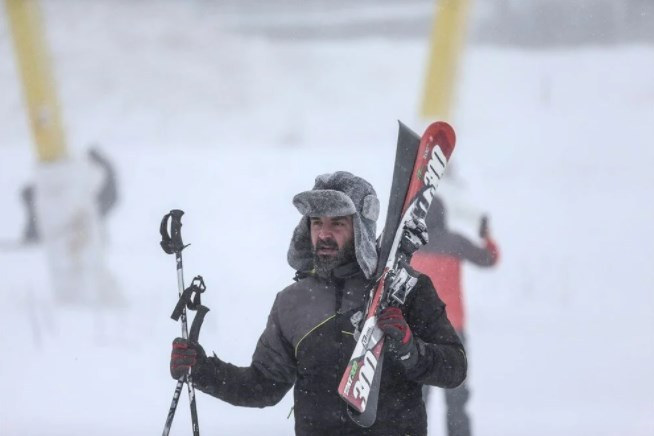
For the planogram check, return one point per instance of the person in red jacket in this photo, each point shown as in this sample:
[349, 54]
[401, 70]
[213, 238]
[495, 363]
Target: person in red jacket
[441, 260]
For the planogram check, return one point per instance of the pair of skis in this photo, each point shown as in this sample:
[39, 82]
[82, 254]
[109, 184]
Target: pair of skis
[419, 165]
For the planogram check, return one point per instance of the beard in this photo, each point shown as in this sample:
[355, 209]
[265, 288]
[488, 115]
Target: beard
[325, 264]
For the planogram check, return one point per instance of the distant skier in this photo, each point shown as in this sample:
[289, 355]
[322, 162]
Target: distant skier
[106, 196]
[441, 260]
[309, 336]
[66, 208]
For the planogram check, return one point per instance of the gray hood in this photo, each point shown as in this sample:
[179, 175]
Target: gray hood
[337, 194]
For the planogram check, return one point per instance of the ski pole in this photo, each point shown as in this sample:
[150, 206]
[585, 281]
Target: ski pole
[172, 244]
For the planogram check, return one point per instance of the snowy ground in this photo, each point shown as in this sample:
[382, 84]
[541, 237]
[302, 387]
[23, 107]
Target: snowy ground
[555, 145]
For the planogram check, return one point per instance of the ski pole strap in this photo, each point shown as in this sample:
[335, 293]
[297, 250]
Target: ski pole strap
[190, 298]
[172, 243]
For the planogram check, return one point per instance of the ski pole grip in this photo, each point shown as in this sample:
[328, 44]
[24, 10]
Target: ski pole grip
[483, 227]
[194, 334]
[172, 243]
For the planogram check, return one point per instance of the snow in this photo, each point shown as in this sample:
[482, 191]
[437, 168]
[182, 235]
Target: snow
[553, 144]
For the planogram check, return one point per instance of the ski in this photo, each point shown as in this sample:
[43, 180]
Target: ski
[419, 165]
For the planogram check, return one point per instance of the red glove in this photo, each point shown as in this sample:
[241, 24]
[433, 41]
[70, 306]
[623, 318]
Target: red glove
[184, 356]
[491, 247]
[401, 342]
[484, 233]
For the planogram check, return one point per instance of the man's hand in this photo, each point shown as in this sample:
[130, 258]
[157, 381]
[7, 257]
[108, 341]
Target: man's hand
[184, 356]
[401, 342]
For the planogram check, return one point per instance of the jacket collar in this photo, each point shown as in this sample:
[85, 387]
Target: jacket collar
[343, 272]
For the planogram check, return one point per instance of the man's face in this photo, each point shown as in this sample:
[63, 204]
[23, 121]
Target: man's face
[332, 239]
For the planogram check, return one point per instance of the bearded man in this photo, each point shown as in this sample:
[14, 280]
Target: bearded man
[309, 336]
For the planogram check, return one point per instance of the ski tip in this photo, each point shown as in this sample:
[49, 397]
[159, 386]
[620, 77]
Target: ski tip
[443, 134]
[404, 130]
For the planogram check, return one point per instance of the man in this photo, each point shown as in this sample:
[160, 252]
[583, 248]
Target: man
[309, 337]
[441, 260]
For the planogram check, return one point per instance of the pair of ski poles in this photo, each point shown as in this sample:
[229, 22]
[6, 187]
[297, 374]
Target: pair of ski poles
[189, 297]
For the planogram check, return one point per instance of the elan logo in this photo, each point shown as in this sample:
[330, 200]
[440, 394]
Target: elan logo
[435, 170]
[363, 383]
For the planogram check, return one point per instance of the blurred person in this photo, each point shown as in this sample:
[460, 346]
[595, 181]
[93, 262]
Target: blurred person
[441, 259]
[66, 208]
[309, 337]
[106, 196]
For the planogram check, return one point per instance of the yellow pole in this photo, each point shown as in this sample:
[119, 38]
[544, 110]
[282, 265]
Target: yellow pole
[447, 38]
[37, 79]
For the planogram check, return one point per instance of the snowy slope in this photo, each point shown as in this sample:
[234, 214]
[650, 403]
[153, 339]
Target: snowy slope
[555, 145]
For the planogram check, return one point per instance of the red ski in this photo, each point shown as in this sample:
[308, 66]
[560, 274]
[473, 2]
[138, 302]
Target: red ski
[359, 386]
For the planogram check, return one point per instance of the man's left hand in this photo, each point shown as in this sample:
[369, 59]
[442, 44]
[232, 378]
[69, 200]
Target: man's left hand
[400, 338]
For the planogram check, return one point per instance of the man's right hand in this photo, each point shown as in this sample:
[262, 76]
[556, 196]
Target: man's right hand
[184, 356]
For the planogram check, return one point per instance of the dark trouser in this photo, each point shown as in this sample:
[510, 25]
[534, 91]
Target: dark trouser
[458, 422]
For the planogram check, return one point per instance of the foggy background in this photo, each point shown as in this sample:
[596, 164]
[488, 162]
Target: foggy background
[226, 109]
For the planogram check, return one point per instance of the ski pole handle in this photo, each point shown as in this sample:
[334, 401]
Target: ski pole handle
[172, 242]
[194, 333]
[483, 227]
[191, 299]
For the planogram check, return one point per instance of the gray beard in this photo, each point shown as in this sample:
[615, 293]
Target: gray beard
[324, 265]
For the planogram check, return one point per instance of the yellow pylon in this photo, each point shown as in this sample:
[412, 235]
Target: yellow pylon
[36, 76]
[446, 42]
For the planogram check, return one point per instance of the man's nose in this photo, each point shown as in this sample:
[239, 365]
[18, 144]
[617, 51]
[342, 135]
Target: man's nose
[325, 233]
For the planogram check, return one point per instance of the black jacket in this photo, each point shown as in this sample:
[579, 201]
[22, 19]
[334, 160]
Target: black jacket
[308, 341]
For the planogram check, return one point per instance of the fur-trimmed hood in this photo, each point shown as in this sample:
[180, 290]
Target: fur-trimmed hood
[337, 194]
